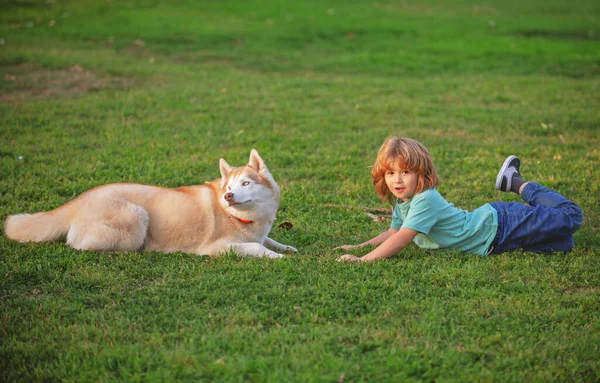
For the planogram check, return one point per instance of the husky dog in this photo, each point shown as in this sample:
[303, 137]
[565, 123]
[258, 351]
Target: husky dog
[233, 213]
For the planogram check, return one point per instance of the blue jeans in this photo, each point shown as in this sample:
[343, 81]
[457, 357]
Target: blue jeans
[545, 225]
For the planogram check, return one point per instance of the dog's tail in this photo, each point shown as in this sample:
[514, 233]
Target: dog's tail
[38, 227]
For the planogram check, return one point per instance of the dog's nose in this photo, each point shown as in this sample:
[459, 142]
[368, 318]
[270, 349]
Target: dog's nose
[228, 196]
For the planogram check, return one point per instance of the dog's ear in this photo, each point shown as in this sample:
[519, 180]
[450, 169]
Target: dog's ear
[256, 162]
[225, 170]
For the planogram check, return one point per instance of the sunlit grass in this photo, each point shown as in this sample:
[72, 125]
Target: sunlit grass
[156, 92]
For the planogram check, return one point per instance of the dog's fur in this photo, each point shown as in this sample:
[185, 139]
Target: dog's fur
[234, 213]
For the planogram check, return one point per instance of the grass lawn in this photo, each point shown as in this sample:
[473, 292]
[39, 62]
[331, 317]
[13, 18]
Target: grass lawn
[155, 92]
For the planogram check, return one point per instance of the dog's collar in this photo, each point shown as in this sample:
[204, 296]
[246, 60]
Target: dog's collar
[242, 220]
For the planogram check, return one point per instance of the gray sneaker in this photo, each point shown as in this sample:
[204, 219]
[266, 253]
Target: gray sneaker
[507, 171]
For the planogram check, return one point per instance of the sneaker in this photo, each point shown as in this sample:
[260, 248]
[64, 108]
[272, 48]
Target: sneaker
[507, 171]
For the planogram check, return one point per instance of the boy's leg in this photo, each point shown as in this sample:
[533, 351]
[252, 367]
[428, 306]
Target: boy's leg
[509, 179]
[550, 219]
[563, 244]
[538, 195]
[533, 228]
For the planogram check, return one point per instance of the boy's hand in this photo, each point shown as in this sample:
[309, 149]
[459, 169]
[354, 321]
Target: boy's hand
[345, 247]
[349, 257]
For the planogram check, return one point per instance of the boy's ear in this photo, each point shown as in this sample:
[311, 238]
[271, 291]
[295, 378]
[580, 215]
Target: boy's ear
[225, 169]
[256, 162]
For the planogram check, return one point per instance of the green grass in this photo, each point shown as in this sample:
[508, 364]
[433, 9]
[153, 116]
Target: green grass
[93, 92]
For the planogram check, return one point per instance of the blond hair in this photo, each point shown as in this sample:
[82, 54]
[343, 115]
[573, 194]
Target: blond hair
[407, 154]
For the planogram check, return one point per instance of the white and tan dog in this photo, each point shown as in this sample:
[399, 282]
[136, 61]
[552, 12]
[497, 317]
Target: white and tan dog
[235, 213]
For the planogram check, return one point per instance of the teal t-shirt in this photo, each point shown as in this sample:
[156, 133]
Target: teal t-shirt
[443, 226]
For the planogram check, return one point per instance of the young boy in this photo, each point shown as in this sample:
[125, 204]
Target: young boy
[404, 172]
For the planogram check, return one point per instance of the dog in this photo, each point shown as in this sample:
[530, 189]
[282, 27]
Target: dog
[233, 213]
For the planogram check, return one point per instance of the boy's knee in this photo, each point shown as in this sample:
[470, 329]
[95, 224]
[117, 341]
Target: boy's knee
[573, 216]
[576, 215]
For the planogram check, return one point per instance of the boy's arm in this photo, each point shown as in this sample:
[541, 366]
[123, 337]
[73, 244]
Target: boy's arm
[373, 241]
[381, 238]
[393, 244]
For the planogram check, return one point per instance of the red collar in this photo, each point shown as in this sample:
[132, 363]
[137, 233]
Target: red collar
[244, 220]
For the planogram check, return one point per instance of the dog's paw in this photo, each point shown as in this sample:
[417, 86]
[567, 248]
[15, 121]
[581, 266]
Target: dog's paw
[275, 255]
[290, 249]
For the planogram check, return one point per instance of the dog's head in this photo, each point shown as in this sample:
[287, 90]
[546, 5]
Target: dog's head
[249, 187]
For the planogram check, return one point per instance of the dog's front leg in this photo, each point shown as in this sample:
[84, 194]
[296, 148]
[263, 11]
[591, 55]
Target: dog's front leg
[254, 249]
[272, 244]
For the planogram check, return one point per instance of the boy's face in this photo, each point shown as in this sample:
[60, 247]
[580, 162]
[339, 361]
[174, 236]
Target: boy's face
[401, 182]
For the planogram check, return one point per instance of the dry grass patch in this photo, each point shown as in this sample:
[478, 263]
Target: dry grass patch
[26, 81]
